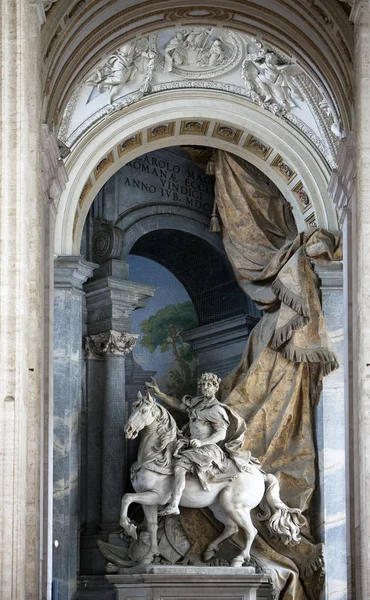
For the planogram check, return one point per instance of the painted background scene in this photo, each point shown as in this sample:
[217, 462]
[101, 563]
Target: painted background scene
[160, 350]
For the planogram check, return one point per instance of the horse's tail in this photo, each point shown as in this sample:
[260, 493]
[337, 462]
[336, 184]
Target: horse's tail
[284, 523]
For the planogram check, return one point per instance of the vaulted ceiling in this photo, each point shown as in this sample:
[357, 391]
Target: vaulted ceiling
[315, 33]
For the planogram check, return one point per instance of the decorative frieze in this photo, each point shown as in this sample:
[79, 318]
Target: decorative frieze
[227, 132]
[161, 131]
[285, 171]
[302, 196]
[103, 165]
[258, 147]
[194, 127]
[129, 144]
[111, 342]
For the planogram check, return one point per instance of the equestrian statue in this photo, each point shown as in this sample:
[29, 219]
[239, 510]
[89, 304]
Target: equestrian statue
[203, 465]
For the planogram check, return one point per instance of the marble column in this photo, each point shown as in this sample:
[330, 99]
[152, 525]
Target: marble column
[111, 298]
[53, 182]
[113, 346]
[21, 302]
[71, 272]
[361, 313]
[332, 443]
[342, 189]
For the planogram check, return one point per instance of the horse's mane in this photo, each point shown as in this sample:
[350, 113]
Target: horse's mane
[167, 429]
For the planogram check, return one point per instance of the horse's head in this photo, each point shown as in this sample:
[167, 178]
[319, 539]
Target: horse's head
[143, 414]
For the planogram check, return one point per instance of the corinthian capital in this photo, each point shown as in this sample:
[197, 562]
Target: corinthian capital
[111, 342]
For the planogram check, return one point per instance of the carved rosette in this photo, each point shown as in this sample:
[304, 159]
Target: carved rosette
[110, 343]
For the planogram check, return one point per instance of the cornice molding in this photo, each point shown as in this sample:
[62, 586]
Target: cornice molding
[72, 272]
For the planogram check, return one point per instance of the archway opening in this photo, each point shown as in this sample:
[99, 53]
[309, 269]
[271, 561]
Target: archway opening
[139, 219]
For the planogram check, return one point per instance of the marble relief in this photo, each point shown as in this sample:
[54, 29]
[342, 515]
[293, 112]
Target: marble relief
[209, 58]
[200, 53]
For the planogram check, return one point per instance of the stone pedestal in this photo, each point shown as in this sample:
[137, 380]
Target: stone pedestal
[193, 583]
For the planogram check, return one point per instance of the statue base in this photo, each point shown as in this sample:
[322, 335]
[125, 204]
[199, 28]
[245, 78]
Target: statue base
[157, 582]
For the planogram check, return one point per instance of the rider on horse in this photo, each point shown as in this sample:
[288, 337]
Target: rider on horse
[213, 449]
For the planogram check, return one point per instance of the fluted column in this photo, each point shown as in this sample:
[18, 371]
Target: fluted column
[361, 308]
[21, 301]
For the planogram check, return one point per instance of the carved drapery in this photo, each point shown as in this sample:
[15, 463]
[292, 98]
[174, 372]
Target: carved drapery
[278, 382]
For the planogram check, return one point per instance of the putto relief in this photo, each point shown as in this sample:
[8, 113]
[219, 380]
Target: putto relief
[199, 53]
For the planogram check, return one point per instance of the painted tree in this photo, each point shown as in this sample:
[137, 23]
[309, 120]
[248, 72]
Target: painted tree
[163, 331]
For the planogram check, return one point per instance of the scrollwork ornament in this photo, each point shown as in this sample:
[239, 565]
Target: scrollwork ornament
[107, 243]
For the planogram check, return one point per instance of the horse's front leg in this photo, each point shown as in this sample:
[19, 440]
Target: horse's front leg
[143, 498]
[151, 515]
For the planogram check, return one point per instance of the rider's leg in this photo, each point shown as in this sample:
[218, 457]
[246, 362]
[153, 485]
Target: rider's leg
[178, 488]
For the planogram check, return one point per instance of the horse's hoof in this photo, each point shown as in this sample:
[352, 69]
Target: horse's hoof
[209, 554]
[170, 510]
[147, 560]
[237, 562]
[131, 530]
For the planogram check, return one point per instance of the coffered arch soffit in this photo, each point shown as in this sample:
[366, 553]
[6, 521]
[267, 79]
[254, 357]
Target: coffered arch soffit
[317, 36]
[209, 118]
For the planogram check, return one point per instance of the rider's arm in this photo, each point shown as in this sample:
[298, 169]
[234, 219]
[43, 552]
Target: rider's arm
[173, 402]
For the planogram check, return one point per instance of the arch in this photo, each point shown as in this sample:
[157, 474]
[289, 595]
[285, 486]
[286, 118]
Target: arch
[201, 265]
[177, 222]
[100, 153]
